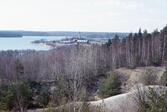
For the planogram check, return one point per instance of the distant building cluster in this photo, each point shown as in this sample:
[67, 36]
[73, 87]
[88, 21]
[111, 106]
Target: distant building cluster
[75, 40]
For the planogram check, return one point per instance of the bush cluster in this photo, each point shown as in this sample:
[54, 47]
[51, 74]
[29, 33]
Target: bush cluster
[110, 86]
[23, 95]
[156, 101]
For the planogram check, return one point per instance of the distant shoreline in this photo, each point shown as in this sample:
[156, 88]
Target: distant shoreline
[11, 36]
[62, 33]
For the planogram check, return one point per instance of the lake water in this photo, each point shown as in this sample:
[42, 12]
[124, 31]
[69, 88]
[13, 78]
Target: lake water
[24, 43]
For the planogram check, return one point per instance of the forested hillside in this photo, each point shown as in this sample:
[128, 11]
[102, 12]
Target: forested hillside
[36, 79]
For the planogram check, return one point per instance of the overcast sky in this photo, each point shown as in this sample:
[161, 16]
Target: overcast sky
[83, 15]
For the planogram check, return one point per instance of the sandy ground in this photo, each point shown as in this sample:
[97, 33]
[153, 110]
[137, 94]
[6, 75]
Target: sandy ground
[124, 102]
[134, 76]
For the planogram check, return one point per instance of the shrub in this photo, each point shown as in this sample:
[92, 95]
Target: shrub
[83, 99]
[149, 78]
[17, 96]
[110, 86]
[6, 97]
[40, 95]
[163, 80]
[131, 66]
[157, 102]
[23, 95]
[152, 101]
